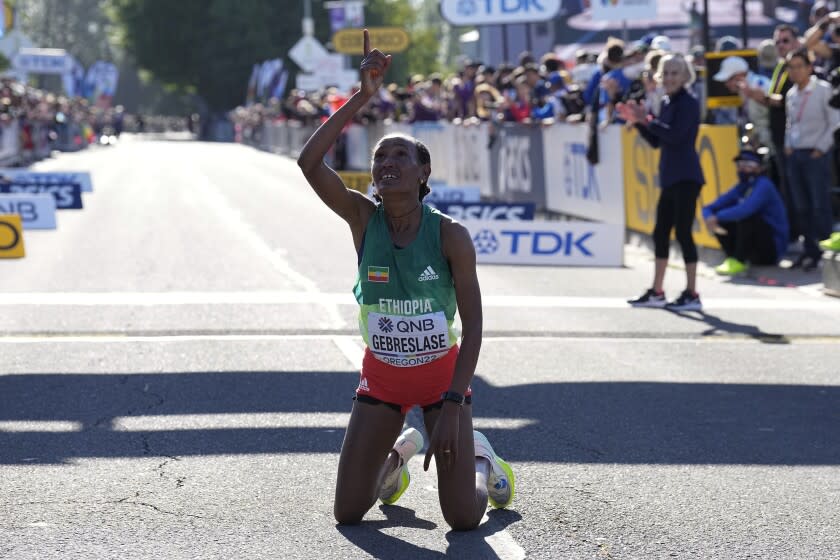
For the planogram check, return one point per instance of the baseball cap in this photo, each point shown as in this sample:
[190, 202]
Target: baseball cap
[767, 54]
[747, 154]
[730, 66]
[661, 43]
[819, 8]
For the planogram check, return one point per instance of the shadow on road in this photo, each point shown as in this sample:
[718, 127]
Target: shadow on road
[368, 536]
[587, 422]
[719, 326]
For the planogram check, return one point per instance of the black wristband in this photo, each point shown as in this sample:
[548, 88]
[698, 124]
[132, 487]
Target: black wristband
[457, 398]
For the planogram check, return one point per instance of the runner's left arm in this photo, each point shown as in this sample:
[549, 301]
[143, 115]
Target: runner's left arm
[459, 251]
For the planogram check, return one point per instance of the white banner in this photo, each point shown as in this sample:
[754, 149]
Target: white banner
[439, 138]
[547, 243]
[37, 211]
[573, 185]
[42, 61]
[484, 12]
[358, 154]
[620, 10]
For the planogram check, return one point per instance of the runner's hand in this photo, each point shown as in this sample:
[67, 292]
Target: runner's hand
[444, 442]
[373, 68]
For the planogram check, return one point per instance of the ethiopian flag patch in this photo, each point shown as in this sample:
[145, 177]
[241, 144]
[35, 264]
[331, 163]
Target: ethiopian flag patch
[378, 274]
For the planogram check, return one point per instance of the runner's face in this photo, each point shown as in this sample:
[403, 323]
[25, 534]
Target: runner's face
[395, 166]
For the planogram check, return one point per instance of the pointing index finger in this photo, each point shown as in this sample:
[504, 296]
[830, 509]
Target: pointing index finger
[366, 42]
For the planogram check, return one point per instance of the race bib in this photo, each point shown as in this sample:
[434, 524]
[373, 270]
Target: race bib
[404, 341]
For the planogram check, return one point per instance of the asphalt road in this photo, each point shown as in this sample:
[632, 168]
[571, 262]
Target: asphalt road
[178, 360]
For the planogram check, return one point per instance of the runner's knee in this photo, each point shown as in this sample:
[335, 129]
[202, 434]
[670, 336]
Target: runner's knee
[347, 516]
[461, 521]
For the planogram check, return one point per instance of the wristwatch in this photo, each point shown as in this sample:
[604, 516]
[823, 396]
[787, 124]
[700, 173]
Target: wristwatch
[457, 398]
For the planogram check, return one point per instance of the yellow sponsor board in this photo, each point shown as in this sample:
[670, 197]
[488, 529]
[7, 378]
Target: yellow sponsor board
[11, 236]
[386, 39]
[717, 146]
[356, 180]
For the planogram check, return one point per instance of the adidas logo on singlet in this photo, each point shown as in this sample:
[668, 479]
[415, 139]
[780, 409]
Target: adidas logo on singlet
[428, 274]
[363, 385]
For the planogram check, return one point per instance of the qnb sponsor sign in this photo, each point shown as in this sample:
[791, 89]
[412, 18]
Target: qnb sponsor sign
[36, 211]
[483, 12]
[547, 243]
[487, 211]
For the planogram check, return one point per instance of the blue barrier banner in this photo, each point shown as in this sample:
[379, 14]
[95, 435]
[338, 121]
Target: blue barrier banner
[67, 195]
[36, 211]
[442, 193]
[487, 210]
[547, 243]
[49, 177]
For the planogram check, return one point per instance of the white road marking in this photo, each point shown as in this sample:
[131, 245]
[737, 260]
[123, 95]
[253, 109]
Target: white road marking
[40, 426]
[351, 349]
[231, 216]
[261, 420]
[503, 544]
[486, 338]
[271, 420]
[346, 298]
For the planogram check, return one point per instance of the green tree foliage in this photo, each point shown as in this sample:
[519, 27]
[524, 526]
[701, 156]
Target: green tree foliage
[80, 27]
[421, 56]
[209, 47]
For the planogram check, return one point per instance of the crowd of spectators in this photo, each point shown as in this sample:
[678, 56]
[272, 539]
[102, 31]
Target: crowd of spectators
[798, 140]
[34, 122]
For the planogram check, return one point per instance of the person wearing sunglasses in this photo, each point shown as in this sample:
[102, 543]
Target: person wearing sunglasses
[809, 138]
[786, 40]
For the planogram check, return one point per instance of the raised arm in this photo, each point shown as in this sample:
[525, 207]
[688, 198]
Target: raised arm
[324, 181]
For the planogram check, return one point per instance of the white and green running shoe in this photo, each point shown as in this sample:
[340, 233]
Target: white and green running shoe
[396, 482]
[501, 484]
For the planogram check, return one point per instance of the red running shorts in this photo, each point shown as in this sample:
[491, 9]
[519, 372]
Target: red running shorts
[407, 386]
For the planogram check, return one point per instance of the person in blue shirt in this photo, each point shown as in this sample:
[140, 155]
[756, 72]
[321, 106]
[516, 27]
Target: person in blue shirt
[749, 220]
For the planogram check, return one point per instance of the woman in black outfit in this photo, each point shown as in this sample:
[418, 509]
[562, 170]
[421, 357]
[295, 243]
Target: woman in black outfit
[680, 176]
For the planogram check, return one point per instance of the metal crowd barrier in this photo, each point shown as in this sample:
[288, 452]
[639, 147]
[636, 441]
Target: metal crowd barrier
[544, 165]
[23, 143]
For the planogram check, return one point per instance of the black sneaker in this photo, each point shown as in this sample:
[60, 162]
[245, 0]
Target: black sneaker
[687, 301]
[649, 299]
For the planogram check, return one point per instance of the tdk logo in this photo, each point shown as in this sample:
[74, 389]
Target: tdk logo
[519, 242]
[471, 7]
[480, 12]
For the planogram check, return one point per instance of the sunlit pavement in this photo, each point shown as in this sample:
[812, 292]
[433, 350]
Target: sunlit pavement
[179, 359]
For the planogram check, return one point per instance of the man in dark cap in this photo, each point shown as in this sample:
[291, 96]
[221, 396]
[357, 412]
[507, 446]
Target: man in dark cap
[750, 220]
